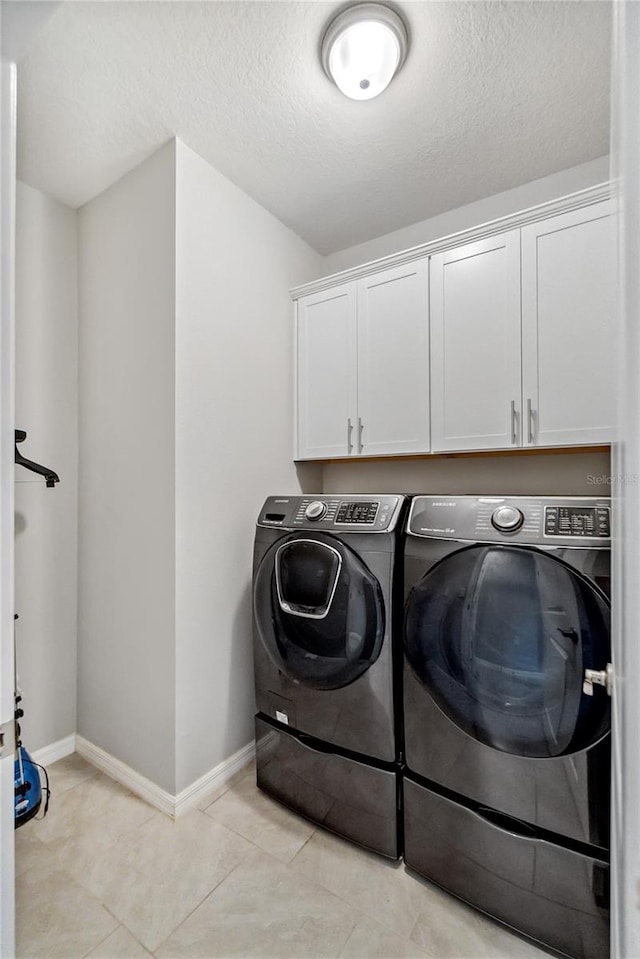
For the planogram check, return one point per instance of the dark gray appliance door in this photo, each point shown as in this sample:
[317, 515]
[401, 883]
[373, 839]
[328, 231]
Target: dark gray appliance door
[500, 638]
[319, 611]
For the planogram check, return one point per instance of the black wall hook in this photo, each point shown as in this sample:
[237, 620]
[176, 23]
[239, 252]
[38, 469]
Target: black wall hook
[51, 478]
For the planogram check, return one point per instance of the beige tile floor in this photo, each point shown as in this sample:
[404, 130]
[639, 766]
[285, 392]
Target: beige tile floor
[108, 877]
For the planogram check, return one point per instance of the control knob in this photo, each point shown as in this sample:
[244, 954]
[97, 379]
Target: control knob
[507, 519]
[315, 510]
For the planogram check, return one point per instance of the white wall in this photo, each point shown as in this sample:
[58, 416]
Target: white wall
[186, 423]
[472, 214]
[46, 519]
[579, 474]
[234, 434]
[126, 612]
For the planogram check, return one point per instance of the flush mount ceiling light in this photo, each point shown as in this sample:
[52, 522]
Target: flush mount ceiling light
[362, 49]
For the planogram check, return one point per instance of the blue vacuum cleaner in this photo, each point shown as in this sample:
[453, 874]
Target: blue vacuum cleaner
[28, 788]
[26, 775]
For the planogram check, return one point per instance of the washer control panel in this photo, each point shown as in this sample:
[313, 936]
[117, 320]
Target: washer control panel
[358, 512]
[347, 513]
[550, 520]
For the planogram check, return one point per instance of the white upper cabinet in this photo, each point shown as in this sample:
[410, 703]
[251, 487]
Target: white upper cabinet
[327, 384]
[504, 342]
[363, 366]
[393, 361]
[475, 345]
[569, 329]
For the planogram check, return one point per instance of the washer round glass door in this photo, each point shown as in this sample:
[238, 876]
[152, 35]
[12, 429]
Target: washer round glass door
[318, 610]
[501, 636]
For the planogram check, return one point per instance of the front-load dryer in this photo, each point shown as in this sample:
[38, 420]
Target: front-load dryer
[327, 670]
[507, 710]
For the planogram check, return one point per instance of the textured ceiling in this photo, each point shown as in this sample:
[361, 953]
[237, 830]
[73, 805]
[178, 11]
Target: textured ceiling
[492, 95]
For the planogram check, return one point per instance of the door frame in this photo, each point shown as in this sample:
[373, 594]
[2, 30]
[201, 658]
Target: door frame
[625, 491]
[19, 25]
[7, 328]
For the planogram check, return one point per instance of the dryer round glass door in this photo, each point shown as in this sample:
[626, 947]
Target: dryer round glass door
[318, 610]
[501, 636]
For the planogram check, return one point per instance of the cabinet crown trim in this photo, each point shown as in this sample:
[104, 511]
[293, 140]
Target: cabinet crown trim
[574, 201]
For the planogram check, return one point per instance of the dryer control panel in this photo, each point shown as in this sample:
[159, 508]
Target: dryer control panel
[550, 520]
[577, 521]
[358, 513]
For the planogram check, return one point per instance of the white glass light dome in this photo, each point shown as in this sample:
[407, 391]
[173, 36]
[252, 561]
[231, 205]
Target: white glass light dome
[363, 48]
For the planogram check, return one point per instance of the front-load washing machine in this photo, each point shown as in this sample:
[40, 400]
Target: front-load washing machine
[507, 710]
[327, 670]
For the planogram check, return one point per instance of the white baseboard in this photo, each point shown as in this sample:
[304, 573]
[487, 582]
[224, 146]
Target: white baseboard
[217, 776]
[153, 794]
[54, 751]
[149, 791]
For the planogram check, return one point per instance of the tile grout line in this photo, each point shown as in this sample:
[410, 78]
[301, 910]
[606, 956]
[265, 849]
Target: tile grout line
[303, 846]
[381, 922]
[122, 922]
[120, 925]
[203, 900]
[283, 865]
[259, 848]
[342, 899]
[226, 787]
[70, 880]
[102, 941]
[74, 786]
[116, 840]
[346, 942]
[427, 952]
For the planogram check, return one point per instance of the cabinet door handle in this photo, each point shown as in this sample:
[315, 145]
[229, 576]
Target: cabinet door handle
[530, 420]
[349, 432]
[360, 429]
[514, 423]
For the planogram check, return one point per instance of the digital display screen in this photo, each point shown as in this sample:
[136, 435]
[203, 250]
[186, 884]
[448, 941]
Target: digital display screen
[576, 521]
[357, 513]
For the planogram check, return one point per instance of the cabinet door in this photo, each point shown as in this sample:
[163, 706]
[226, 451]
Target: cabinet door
[475, 345]
[393, 361]
[569, 328]
[326, 367]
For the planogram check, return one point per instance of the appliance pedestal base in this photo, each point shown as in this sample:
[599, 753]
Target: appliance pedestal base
[549, 893]
[343, 794]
